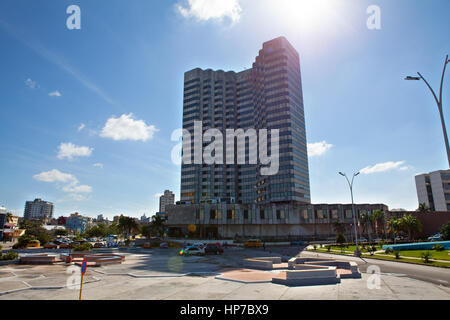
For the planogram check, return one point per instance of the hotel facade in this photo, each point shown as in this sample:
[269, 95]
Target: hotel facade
[233, 199]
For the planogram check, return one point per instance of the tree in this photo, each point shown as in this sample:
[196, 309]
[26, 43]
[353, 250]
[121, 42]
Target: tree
[394, 226]
[147, 231]
[339, 227]
[445, 231]
[128, 225]
[365, 223]
[377, 220]
[340, 239]
[61, 232]
[423, 208]
[113, 229]
[96, 231]
[410, 225]
[35, 229]
[158, 225]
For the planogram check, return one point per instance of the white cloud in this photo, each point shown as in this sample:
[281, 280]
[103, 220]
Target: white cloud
[98, 165]
[30, 83]
[385, 166]
[72, 185]
[127, 128]
[157, 195]
[203, 10]
[81, 127]
[318, 148]
[55, 94]
[55, 176]
[73, 188]
[69, 151]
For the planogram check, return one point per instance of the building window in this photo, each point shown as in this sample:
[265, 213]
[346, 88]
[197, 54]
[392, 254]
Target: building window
[212, 214]
[230, 214]
[219, 214]
[348, 214]
[245, 214]
[334, 214]
[261, 214]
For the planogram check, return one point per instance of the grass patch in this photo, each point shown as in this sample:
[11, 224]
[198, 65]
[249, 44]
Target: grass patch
[439, 255]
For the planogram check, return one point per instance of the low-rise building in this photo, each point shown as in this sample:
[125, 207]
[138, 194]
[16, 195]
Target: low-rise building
[433, 189]
[274, 221]
[78, 223]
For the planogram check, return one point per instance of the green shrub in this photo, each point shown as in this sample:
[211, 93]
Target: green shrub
[83, 247]
[11, 255]
[388, 250]
[397, 254]
[328, 248]
[23, 241]
[315, 247]
[438, 247]
[426, 256]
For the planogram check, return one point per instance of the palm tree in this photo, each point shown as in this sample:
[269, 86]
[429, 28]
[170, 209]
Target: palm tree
[411, 225]
[378, 220]
[394, 226]
[365, 223]
[423, 208]
[128, 225]
[158, 224]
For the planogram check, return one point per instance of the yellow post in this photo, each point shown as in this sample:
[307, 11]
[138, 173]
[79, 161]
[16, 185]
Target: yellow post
[81, 286]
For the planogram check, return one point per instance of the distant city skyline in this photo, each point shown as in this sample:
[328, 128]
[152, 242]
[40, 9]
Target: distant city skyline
[88, 114]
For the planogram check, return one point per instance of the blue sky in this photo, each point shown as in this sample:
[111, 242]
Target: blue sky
[87, 114]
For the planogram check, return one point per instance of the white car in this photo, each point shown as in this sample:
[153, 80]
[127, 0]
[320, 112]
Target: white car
[362, 239]
[194, 251]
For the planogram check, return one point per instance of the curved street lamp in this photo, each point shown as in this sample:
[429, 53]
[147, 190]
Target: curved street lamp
[357, 253]
[438, 102]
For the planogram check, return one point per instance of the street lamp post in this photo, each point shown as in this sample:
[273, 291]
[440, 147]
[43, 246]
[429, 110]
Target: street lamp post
[438, 102]
[357, 253]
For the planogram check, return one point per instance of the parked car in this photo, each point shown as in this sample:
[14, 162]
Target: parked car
[34, 244]
[193, 251]
[213, 248]
[66, 245]
[99, 245]
[50, 245]
[362, 239]
[253, 243]
[436, 237]
[164, 245]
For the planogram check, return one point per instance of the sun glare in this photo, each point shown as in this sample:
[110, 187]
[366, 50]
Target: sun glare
[307, 14]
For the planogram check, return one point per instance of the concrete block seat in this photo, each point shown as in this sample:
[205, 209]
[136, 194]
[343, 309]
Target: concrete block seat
[306, 276]
[39, 259]
[263, 263]
[93, 260]
[346, 269]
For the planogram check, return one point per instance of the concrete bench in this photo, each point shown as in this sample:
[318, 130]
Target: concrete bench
[39, 259]
[347, 265]
[308, 277]
[258, 264]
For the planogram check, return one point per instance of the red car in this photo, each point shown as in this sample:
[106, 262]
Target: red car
[213, 248]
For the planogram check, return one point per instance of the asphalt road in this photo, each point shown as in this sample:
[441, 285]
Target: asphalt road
[436, 275]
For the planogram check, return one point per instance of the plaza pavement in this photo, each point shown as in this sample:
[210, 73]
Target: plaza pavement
[159, 274]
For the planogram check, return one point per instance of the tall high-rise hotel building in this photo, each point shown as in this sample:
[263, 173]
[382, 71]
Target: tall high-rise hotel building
[267, 96]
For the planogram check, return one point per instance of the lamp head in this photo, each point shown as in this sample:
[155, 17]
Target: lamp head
[412, 78]
[342, 174]
[357, 174]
